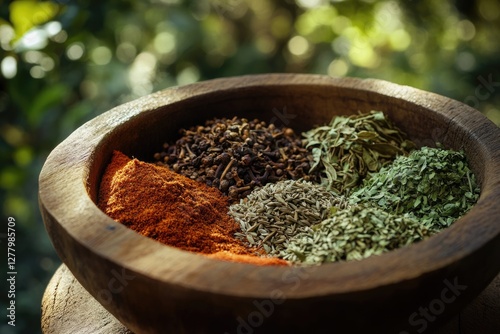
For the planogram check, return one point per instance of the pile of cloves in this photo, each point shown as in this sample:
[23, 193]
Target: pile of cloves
[236, 155]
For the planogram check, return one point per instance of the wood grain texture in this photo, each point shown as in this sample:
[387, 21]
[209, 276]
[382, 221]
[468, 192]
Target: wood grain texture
[68, 308]
[152, 288]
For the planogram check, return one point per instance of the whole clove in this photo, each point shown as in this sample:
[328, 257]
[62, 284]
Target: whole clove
[236, 155]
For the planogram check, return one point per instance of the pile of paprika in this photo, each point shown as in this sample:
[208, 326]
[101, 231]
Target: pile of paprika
[173, 209]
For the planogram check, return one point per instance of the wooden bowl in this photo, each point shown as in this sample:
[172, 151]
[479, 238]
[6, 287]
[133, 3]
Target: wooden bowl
[153, 288]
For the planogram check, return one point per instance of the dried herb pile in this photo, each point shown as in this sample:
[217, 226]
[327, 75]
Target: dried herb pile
[350, 147]
[236, 155]
[434, 185]
[353, 233]
[272, 214]
[408, 200]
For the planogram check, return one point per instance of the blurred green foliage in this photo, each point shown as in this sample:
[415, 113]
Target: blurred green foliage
[64, 62]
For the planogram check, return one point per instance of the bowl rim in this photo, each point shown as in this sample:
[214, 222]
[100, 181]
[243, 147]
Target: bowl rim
[64, 177]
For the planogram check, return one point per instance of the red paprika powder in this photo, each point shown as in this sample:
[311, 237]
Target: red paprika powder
[173, 209]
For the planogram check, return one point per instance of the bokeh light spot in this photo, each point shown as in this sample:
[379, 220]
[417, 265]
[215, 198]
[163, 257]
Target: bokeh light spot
[61, 37]
[35, 39]
[164, 42]
[400, 40]
[33, 57]
[489, 9]
[47, 64]
[188, 75]
[338, 68]
[23, 156]
[466, 30]
[13, 135]
[298, 46]
[18, 206]
[9, 67]
[341, 45]
[265, 44]
[362, 54]
[340, 23]
[6, 36]
[37, 72]
[131, 33]
[142, 73]
[53, 28]
[75, 51]
[465, 61]
[10, 178]
[101, 55]
[126, 52]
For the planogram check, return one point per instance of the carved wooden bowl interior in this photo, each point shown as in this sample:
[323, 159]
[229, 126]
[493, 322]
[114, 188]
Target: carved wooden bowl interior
[153, 288]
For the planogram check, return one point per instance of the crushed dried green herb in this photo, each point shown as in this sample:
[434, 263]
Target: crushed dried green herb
[434, 185]
[353, 233]
[350, 147]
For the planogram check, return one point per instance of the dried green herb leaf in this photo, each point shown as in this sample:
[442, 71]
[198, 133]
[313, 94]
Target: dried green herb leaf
[385, 149]
[350, 147]
[370, 160]
[367, 135]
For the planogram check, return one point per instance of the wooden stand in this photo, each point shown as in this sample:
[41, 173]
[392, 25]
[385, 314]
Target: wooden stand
[68, 308]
